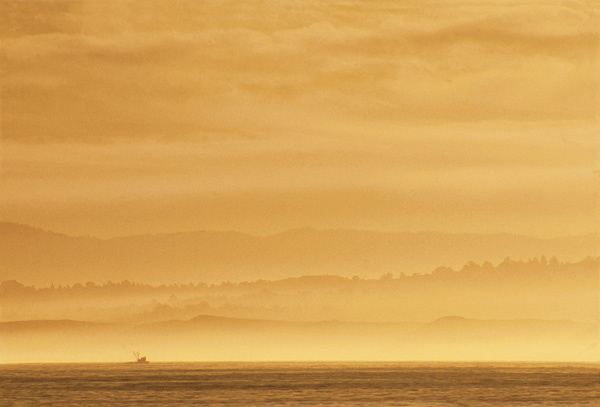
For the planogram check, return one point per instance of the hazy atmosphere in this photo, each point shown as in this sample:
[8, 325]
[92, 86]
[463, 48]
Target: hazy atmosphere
[130, 117]
[299, 180]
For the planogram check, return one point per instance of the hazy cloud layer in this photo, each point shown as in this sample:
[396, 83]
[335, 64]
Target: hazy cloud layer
[99, 70]
[437, 115]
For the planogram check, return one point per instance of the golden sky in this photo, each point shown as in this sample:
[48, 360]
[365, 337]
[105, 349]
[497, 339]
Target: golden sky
[122, 117]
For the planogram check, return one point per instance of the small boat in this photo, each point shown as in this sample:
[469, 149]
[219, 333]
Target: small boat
[139, 359]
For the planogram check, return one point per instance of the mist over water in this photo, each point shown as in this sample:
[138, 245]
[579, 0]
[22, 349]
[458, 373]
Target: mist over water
[287, 384]
[321, 182]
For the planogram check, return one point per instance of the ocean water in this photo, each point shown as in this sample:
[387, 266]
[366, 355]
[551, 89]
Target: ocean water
[298, 384]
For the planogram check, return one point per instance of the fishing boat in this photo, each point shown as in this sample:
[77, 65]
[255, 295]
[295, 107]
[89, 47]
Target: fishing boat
[139, 359]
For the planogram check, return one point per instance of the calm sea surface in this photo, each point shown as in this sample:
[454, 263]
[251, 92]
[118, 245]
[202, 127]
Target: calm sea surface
[293, 384]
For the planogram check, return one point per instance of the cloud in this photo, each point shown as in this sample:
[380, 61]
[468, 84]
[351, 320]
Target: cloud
[195, 71]
[407, 112]
[522, 177]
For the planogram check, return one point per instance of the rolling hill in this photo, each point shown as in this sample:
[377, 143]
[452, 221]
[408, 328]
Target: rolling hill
[35, 256]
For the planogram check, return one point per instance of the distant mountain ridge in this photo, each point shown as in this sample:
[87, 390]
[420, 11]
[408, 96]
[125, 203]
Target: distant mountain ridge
[446, 324]
[35, 256]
